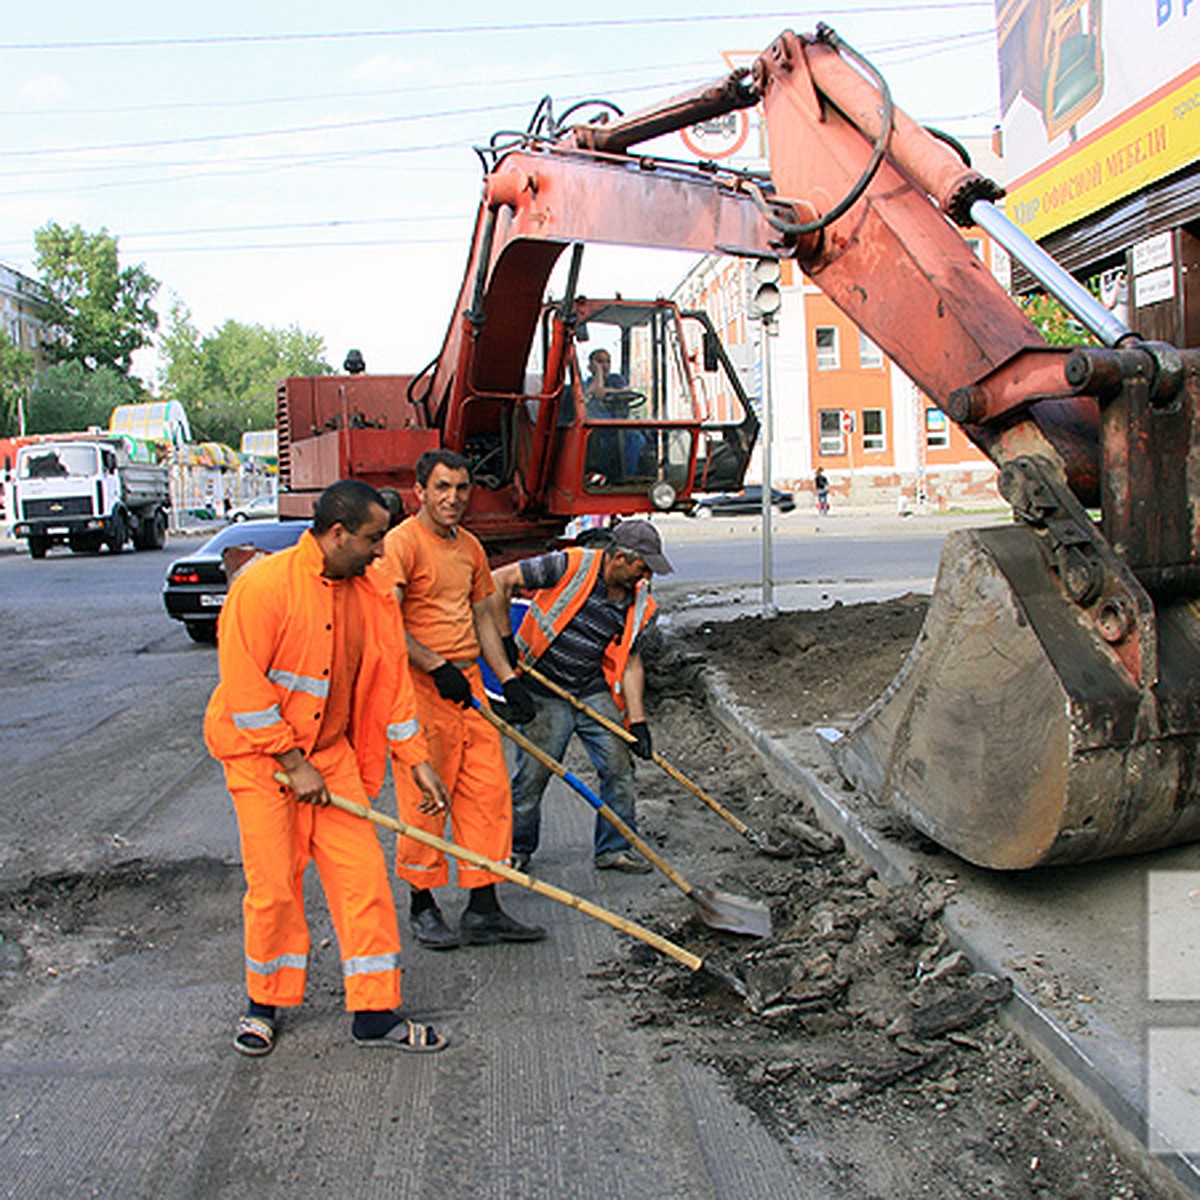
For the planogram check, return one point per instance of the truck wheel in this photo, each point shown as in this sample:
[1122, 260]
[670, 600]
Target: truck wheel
[158, 531]
[117, 537]
[38, 547]
[204, 632]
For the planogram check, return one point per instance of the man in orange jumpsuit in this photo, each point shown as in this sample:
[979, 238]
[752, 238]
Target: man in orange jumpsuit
[315, 683]
[442, 580]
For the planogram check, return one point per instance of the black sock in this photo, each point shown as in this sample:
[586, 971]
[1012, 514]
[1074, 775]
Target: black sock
[373, 1023]
[265, 1011]
[483, 900]
[420, 900]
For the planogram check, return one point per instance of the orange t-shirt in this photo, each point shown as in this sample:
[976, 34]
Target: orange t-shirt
[442, 578]
[343, 669]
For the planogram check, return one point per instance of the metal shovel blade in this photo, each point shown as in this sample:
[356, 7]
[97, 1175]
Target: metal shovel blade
[731, 914]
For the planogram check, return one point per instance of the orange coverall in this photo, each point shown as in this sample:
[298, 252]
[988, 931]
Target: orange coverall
[285, 635]
[442, 578]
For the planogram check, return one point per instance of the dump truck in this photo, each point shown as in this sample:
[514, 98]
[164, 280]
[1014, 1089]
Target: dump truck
[1050, 711]
[87, 492]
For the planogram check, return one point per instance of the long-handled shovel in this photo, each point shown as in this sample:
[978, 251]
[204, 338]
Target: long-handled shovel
[693, 962]
[759, 840]
[718, 910]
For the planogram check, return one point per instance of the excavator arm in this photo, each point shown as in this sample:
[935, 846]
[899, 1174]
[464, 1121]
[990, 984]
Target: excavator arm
[1049, 711]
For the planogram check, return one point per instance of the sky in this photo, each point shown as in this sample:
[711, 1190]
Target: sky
[311, 165]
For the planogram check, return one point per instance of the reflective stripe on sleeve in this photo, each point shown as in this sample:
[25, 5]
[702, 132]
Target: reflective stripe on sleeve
[404, 730]
[297, 961]
[300, 683]
[370, 964]
[262, 719]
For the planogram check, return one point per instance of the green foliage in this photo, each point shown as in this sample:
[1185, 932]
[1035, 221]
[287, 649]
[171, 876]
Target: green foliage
[16, 374]
[1054, 322]
[67, 396]
[102, 311]
[226, 380]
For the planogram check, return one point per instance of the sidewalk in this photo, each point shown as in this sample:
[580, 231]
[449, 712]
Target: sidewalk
[1104, 957]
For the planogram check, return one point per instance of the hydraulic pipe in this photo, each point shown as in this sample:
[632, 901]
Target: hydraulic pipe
[1060, 283]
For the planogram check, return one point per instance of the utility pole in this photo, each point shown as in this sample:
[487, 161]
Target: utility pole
[765, 305]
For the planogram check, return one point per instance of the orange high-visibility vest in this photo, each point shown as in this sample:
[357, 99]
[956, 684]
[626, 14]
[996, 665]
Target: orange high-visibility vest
[552, 609]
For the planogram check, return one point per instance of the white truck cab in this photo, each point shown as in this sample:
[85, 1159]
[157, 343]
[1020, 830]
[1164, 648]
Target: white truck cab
[87, 493]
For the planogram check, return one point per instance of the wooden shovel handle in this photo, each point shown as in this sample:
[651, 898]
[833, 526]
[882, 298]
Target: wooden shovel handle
[621, 826]
[692, 961]
[622, 732]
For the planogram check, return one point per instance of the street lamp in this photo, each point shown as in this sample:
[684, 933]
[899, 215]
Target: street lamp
[764, 304]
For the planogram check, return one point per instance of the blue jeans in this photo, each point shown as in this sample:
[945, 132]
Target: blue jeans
[551, 730]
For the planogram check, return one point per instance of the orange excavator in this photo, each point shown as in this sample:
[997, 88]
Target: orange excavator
[1050, 709]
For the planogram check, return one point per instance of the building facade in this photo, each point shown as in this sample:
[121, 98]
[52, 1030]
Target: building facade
[22, 312]
[838, 403]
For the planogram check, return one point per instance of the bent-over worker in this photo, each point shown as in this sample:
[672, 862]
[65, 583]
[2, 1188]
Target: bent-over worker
[441, 577]
[583, 631]
[314, 681]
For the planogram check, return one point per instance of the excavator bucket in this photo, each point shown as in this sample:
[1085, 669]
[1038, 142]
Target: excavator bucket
[1012, 737]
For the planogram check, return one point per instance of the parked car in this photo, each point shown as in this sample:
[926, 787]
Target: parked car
[747, 502]
[195, 586]
[261, 508]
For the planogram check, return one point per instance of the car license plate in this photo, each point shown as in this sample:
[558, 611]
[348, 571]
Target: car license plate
[209, 601]
[57, 529]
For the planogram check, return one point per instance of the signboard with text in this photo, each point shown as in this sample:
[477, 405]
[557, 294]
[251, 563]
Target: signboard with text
[1099, 99]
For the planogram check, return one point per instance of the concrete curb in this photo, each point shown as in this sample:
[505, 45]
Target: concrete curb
[1106, 1075]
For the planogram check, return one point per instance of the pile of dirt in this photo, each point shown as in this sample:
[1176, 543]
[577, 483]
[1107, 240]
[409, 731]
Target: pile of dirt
[865, 1037]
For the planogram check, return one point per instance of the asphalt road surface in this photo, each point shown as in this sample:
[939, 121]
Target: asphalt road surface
[118, 871]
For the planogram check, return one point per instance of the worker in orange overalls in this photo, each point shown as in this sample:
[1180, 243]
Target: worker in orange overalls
[315, 684]
[441, 577]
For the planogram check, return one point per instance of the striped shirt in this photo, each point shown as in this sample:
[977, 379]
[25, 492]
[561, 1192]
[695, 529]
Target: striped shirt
[575, 658]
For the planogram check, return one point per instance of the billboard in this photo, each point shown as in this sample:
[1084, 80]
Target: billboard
[1098, 98]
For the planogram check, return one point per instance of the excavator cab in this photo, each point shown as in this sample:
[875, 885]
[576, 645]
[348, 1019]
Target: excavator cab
[650, 408]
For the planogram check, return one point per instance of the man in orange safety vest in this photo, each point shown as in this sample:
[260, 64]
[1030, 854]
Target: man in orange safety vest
[583, 631]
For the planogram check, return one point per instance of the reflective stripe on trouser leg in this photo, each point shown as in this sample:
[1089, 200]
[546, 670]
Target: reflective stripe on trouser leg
[468, 755]
[274, 833]
[353, 874]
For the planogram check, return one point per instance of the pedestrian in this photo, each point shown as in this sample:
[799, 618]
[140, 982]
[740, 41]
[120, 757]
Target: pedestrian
[441, 578]
[314, 682]
[821, 488]
[588, 611]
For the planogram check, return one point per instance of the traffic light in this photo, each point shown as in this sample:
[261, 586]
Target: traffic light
[765, 301]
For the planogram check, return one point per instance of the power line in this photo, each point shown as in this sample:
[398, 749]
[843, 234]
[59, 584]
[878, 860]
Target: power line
[153, 43]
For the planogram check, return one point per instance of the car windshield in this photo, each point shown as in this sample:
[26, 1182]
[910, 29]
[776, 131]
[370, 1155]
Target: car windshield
[267, 535]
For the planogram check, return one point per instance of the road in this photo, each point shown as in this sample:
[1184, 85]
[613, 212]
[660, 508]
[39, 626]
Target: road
[102, 695]
[120, 952]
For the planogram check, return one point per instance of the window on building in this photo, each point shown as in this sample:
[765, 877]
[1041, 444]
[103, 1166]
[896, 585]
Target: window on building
[832, 440]
[828, 355]
[870, 357]
[937, 429]
[873, 429]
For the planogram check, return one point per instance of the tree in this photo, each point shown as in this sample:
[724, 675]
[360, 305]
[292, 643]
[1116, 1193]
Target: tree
[1058, 326]
[226, 379]
[103, 312]
[68, 396]
[16, 374]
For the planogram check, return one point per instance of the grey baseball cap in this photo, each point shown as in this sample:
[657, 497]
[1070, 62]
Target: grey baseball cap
[641, 538]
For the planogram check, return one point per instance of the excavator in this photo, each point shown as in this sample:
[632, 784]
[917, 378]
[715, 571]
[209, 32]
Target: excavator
[1049, 711]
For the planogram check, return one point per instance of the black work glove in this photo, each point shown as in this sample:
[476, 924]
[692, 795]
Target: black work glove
[510, 650]
[643, 747]
[520, 704]
[452, 684]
